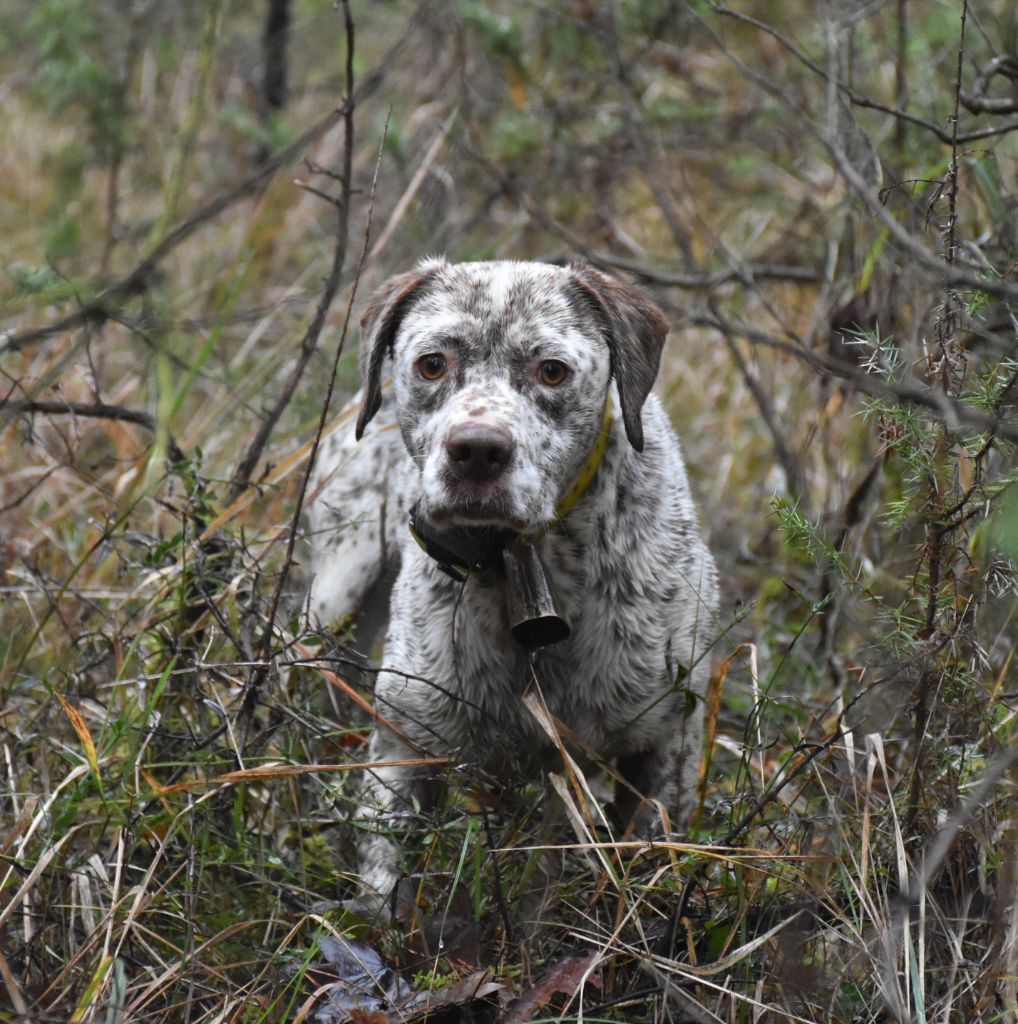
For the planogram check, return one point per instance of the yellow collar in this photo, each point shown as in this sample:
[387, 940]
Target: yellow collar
[590, 467]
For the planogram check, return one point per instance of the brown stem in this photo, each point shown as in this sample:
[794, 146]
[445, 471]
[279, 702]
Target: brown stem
[314, 330]
[901, 75]
[94, 410]
[274, 42]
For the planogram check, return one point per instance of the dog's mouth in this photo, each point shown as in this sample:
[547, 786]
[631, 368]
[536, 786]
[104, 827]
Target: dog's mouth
[475, 513]
[487, 505]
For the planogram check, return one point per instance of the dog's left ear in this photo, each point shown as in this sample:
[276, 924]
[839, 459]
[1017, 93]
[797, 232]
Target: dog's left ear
[635, 330]
[379, 323]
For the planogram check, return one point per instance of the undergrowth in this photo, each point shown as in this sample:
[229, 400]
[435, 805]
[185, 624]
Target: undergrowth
[824, 201]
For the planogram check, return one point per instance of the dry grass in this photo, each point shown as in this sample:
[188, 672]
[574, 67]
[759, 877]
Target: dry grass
[180, 755]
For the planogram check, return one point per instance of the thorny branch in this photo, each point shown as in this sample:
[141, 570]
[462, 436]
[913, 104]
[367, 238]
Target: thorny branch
[936, 553]
[909, 391]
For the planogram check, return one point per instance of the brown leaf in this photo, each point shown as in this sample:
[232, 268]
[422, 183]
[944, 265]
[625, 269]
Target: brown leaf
[369, 1017]
[81, 728]
[564, 977]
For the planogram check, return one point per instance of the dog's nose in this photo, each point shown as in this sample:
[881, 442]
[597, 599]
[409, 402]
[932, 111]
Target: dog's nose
[479, 452]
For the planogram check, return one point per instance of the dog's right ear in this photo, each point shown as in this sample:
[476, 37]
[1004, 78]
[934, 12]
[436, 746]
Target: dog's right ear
[379, 323]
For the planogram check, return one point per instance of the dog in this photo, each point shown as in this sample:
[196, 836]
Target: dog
[519, 410]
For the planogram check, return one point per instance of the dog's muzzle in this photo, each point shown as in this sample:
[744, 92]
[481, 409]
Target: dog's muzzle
[479, 454]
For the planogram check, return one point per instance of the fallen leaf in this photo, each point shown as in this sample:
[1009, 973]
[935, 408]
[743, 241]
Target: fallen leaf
[565, 977]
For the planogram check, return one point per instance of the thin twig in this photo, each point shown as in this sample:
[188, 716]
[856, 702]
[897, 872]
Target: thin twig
[94, 410]
[787, 459]
[743, 273]
[638, 140]
[952, 413]
[309, 343]
[901, 73]
[953, 190]
[308, 346]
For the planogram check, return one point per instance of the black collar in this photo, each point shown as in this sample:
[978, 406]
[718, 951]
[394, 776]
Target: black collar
[462, 549]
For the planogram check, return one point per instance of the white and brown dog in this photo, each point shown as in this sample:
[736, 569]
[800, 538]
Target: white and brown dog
[521, 393]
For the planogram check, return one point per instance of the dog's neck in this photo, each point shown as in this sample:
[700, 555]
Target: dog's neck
[586, 475]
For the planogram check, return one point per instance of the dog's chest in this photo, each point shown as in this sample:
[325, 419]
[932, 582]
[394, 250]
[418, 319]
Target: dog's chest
[608, 684]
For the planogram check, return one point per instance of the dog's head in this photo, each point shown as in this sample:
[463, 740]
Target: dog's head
[501, 373]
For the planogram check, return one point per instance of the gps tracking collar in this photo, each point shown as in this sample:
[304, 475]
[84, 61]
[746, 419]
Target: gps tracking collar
[460, 550]
[533, 619]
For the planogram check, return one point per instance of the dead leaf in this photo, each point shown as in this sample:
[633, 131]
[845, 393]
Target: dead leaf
[565, 978]
[81, 728]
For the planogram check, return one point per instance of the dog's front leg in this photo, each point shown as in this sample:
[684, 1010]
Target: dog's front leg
[665, 775]
[387, 799]
[385, 794]
[646, 778]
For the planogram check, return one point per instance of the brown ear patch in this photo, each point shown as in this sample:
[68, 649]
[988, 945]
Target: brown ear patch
[379, 323]
[635, 329]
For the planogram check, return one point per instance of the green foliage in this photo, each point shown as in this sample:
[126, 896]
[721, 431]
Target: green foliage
[275, 133]
[517, 136]
[1004, 522]
[37, 280]
[808, 538]
[74, 71]
[499, 33]
[61, 238]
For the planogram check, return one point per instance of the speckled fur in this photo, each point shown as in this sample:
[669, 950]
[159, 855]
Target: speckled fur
[631, 572]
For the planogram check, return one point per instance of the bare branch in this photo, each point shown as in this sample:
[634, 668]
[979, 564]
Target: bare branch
[950, 275]
[104, 305]
[743, 273]
[339, 259]
[309, 343]
[640, 143]
[94, 410]
[954, 415]
[978, 102]
[857, 99]
[789, 462]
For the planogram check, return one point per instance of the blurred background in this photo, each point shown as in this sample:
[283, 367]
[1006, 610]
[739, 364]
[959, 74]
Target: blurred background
[198, 198]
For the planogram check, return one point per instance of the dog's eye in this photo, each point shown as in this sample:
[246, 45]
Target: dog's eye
[432, 366]
[552, 372]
